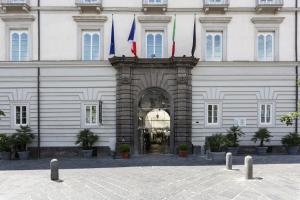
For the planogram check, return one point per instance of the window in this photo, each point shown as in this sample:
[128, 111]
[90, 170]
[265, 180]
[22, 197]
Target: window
[215, 1]
[21, 118]
[19, 45]
[265, 46]
[154, 42]
[90, 115]
[266, 1]
[155, 1]
[265, 113]
[212, 114]
[91, 45]
[214, 46]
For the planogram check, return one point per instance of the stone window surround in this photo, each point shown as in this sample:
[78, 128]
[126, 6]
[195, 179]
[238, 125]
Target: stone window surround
[13, 105]
[220, 111]
[214, 24]
[273, 113]
[267, 24]
[89, 23]
[83, 113]
[18, 23]
[156, 24]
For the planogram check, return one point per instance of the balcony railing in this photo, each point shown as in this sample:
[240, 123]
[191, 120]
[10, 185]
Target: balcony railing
[155, 5]
[89, 5]
[215, 5]
[269, 5]
[7, 5]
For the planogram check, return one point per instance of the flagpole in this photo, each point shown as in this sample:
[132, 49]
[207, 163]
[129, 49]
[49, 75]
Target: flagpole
[194, 37]
[173, 38]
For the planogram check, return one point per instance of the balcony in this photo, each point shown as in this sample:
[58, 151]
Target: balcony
[155, 5]
[15, 5]
[215, 6]
[86, 6]
[268, 6]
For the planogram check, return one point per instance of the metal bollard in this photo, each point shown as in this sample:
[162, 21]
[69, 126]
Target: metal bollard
[249, 167]
[54, 170]
[229, 161]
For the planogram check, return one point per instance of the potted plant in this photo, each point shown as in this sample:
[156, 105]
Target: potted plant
[86, 139]
[20, 141]
[124, 150]
[262, 135]
[5, 147]
[292, 142]
[183, 150]
[232, 141]
[215, 144]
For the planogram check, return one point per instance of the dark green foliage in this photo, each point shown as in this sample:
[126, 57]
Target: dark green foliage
[215, 143]
[86, 139]
[124, 148]
[290, 140]
[232, 136]
[2, 113]
[5, 143]
[183, 147]
[22, 138]
[262, 135]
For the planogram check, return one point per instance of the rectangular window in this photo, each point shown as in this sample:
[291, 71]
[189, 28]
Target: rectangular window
[154, 42]
[21, 115]
[91, 115]
[155, 1]
[19, 45]
[215, 1]
[265, 45]
[91, 45]
[214, 46]
[265, 113]
[266, 1]
[212, 114]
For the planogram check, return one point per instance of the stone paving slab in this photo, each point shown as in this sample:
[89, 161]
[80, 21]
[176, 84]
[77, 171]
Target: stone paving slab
[151, 178]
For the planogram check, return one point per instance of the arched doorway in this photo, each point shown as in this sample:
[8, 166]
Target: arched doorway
[155, 122]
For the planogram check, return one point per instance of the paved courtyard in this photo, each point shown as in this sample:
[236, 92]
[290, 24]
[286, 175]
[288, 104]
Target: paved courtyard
[151, 177]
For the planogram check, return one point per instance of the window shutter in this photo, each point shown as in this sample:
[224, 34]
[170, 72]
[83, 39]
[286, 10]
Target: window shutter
[100, 112]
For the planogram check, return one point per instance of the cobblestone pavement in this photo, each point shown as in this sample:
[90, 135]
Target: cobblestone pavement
[151, 177]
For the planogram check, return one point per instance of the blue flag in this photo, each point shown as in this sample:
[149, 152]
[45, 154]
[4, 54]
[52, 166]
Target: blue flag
[112, 40]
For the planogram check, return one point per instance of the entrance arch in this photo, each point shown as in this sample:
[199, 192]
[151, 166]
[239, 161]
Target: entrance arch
[154, 121]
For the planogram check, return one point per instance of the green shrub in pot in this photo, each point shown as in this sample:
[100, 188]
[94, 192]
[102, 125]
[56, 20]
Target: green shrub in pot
[292, 142]
[86, 139]
[21, 140]
[262, 135]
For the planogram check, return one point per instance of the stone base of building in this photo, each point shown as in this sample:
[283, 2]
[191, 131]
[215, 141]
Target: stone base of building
[67, 152]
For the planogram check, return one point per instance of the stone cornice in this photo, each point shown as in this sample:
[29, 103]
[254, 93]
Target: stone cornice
[214, 20]
[267, 20]
[157, 62]
[17, 18]
[154, 19]
[90, 18]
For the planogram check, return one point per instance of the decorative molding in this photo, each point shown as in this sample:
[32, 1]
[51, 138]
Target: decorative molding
[17, 18]
[215, 20]
[154, 19]
[90, 18]
[267, 20]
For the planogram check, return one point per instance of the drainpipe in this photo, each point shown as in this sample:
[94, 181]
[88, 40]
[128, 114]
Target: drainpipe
[38, 83]
[296, 55]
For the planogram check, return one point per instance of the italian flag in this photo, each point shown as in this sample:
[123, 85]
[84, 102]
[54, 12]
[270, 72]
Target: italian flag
[173, 38]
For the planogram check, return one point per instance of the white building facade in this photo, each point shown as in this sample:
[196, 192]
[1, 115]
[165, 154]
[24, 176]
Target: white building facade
[56, 76]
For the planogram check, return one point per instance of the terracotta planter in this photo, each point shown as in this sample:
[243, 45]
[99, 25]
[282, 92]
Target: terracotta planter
[183, 153]
[125, 155]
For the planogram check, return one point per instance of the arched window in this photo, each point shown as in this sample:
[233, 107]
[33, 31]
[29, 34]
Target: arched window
[265, 45]
[214, 46]
[19, 46]
[91, 45]
[154, 44]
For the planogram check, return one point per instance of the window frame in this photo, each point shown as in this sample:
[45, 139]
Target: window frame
[19, 32]
[265, 34]
[13, 120]
[91, 32]
[214, 34]
[91, 113]
[83, 114]
[219, 114]
[265, 114]
[154, 44]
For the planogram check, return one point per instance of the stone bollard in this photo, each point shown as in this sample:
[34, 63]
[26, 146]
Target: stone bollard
[249, 167]
[229, 161]
[54, 170]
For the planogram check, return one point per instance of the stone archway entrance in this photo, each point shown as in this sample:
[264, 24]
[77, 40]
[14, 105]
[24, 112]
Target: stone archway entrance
[154, 122]
[166, 78]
